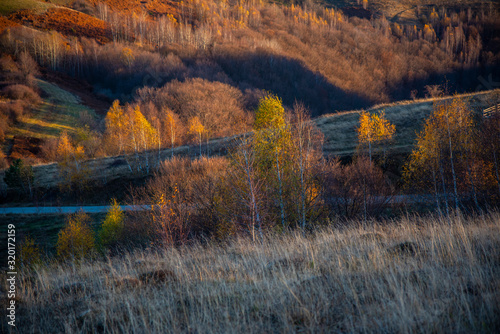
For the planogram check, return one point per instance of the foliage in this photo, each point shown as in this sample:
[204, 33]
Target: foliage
[20, 176]
[196, 128]
[73, 172]
[374, 128]
[76, 239]
[270, 113]
[29, 253]
[117, 127]
[111, 230]
[447, 156]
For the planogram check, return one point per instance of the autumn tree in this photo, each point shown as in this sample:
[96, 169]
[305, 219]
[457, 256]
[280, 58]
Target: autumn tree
[112, 227]
[117, 128]
[445, 159]
[307, 142]
[271, 142]
[247, 193]
[142, 138]
[374, 128]
[172, 126]
[197, 129]
[76, 239]
[73, 172]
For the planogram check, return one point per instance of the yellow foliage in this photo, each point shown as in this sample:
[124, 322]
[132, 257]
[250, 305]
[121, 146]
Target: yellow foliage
[29, 253]
[128, 57]
[76, 239]
[112, 227]
[195, 126]
[70, 163]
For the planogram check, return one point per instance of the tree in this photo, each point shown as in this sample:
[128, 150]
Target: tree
[447, 150]
[271, 140]
[270, 113]
[142, 137]
[374, 128]
[117, 127]
[73, 173]
[128, 57]
[76, 239]
[112, 227]
[307, 140]
[196, 128]
[172, 124]
[246, 187]
[20, 176]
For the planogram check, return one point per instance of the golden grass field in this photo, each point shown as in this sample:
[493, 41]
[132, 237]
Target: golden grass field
[415, 274]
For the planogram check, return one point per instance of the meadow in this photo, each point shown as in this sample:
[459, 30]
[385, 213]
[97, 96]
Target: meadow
[411, 274]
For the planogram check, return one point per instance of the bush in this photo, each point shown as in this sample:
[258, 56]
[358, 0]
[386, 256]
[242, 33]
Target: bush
[76, 239]
[29, 254]
[112, 227]
[13, 111]
[21, 92]
[48, 150]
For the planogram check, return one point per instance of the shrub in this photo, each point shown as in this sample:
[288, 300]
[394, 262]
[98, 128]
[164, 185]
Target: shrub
[48, 149]
[112, 227]
[21, 92]
[76, 239]
[12, 112]
[29, 253]
[20, 176]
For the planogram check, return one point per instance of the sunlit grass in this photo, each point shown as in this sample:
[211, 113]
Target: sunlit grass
[60, 111]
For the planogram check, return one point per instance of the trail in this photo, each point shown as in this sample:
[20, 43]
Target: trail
[43, 210]
[66, 209]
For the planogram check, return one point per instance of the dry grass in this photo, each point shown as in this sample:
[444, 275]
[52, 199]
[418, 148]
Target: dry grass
[10, 6]
[412, 275]
[59, 112]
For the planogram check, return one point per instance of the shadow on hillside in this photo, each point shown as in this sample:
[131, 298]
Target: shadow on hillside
[290, 80]
[472, 79]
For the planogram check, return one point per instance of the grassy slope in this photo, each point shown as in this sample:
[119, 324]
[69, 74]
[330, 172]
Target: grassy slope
[413, 275]
[408, 116]
[60, 111]
[10, 6]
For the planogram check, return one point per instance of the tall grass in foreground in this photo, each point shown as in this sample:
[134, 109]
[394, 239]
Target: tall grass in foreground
[416, 274]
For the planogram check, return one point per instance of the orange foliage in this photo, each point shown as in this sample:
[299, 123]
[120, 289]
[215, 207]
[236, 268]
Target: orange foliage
[67, 22]
[5, 23]
[153, 7]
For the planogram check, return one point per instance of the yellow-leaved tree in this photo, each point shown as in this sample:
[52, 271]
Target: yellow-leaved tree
[112, 227]
[76, 239]
[196, 128]
[71, 169]
[143, 137]
[374, 128]
[446, 156]
[117, 128]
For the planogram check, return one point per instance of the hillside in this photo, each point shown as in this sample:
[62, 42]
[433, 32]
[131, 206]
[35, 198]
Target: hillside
[407, 116]
[339, 130]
